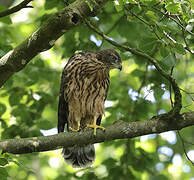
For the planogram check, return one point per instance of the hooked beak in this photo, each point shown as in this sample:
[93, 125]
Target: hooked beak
[120, 67]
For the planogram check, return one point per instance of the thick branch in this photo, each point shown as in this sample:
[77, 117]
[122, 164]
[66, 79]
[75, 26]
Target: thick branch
[119, 130]
[14, 9]
[45, 37]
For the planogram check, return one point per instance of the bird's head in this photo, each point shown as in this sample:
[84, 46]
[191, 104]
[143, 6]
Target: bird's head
[110, 58]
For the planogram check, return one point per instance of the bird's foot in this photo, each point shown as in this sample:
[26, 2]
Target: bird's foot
[94, 126]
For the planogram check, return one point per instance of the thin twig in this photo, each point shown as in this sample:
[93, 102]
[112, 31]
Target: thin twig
[189, 93]
[186, 91]
[172, 104]
[189, 143]
[184, 38]
[16, 8]
[142, 20]
[183, 144]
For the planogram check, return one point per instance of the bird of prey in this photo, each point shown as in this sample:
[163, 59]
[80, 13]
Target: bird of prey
[84, 87]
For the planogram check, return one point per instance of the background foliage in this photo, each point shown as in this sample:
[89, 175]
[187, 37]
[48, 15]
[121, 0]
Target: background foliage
[28, 100]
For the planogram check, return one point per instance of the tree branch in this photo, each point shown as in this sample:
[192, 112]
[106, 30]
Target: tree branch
[119, 130]
[16, 8]
[45, 37]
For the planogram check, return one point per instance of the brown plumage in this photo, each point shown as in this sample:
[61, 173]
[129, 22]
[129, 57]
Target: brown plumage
[84, 87]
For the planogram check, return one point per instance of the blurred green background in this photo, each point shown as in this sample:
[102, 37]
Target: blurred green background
[28, 100]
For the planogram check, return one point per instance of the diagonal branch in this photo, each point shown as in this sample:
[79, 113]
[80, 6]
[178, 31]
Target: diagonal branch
[45, 37]
[119, 130]
[178, 98]
[16, 8]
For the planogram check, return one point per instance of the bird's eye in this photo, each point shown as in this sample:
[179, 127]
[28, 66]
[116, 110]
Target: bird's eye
[112, 58]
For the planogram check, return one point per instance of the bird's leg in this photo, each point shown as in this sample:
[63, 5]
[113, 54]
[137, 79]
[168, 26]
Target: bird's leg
[95, 126]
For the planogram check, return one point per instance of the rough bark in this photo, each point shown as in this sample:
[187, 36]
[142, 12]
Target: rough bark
[119, 130]
[44, 38]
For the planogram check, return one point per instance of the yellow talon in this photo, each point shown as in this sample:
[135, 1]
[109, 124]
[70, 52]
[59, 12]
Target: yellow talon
[94, 126]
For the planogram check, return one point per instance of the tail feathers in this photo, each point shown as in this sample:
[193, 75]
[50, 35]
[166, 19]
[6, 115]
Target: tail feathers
[79, 157]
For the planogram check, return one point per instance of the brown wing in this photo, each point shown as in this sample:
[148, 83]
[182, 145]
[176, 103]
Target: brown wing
[63, 110]
[98, 121]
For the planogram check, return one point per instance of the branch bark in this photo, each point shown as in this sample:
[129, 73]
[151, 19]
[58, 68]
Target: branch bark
[119, 130]
[45, 37]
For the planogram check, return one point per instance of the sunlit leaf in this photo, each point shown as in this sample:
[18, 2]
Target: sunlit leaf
[152, 15]
[3, 161]
[173, 7]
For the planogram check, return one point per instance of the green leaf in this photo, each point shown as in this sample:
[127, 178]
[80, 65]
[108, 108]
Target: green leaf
[50, 4]
[45, 124]
[14, 99]
[3, 161]
[2, 109]
[160, 177]
[132, 1]
[152, 15]
[118, 5]
[158, 92]
[174, 8]
[164, 51]
[22, 111]
[179, 48]
[147, 43]
[169, 61]
[6, 19]
[3, 173]
[138, 73]
[2, 8]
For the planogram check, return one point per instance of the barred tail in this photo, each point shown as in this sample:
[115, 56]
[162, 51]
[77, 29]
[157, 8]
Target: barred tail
[79, 157]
